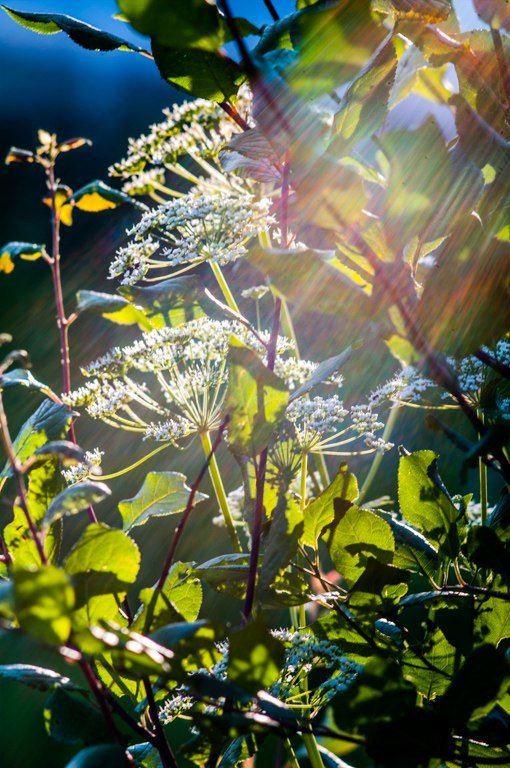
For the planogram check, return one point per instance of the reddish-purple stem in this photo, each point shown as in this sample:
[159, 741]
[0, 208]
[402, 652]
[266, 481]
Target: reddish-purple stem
[260, 481]
[189, 508]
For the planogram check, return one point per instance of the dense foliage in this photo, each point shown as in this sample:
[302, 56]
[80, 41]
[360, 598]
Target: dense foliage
[298, 186]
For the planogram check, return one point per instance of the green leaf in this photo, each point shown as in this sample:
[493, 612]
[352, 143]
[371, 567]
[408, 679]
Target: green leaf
[256, 400]
[477, 686]
[98, 196]
[14, 250]
[200, 73]
[359, 536]
[112, 307]
[320, 512]
[70, 719]
[45, 481]
[170, 302]
[43, 601]
[35, 677]
[194, 24]
[431, 668]
[180, 599]
[334, 628]
[81, 33]
[365, 104]
[100, 756]
[22, 377]
[492, 621]
[68, 454]
[412, 550]
[281, 542]
[75, 499]
[334, 43]
[106, 551]
[429, 188]
[49, 422]
[477, 311]
[324, 370]
[255, 658]
[424, 502]
[102, 564]
[162, 494]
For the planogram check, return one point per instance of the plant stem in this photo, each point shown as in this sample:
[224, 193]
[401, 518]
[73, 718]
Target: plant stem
[136, 464]
[189, 508]
[100, 696]
[293, 762]
[312, 750]
[260, 482]
[165, 752]
[482, 474]
[20, 481]
[62, 320]
[227, 293]
[376, 463]
[219, 490]
[272, 10]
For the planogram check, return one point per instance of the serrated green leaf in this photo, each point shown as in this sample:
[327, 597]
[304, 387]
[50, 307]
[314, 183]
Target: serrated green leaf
[431, 669]
[424, 502]
[412, 550]
[201, 73]
[74, 499]
[162, 493]
[180, 599]
[359, 536]
[256, 400]
[81, 33]
[320, 512]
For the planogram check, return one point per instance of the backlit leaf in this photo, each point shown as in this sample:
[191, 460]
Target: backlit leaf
[162, 493]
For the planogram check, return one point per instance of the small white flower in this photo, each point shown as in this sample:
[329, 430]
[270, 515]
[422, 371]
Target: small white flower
[81, 471]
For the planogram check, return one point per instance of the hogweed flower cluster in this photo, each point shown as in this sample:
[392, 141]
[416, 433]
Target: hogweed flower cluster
[317, 426]
[91, 466]
[194, 228]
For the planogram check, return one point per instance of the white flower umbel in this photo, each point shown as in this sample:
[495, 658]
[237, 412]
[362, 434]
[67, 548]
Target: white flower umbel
[79, 472]
[198, 129]
[192, 229]
[407, 386]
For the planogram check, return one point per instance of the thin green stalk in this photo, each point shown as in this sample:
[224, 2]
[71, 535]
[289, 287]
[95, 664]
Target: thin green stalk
[292, 759]
[312, 750]
[376, 463]
[482, 474]
[219, 490]
[136, 464]
[227, 293]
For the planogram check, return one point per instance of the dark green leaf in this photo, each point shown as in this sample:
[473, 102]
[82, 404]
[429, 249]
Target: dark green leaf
[324, 370]
[98, 757]
[72, 720]
[112, 307]
[81, 33]
[200, 73]
[49, 422]
[74, 499]
[255, 658]
[24, 378]
[35, 677]
[281, 542]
